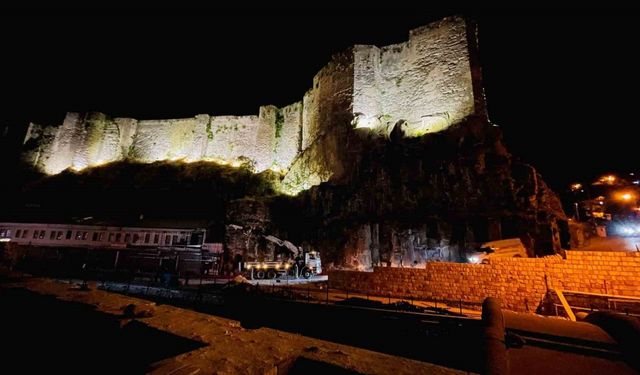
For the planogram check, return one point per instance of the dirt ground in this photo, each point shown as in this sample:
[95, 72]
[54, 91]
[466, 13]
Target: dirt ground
[177, 341]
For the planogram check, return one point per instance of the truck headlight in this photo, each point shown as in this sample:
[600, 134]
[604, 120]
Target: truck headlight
[473, 259]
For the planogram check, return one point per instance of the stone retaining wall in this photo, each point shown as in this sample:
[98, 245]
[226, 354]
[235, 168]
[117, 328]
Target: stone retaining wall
[520, 283]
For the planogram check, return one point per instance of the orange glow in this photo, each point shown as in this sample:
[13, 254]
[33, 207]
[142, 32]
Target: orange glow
[609, 179]
[625, 196]
[606, 180]
[576, 186]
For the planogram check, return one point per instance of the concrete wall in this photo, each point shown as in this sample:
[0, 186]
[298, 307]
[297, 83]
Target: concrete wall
[521, 283]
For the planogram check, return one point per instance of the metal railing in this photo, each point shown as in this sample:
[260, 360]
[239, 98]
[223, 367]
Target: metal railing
[590, 302]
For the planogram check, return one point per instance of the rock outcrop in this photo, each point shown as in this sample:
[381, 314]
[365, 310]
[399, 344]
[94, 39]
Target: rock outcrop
[405, 201]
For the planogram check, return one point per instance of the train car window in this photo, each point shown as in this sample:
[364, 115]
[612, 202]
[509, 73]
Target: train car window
[84, 235]
[24, 233]
[156, 238]
[78, 235]
[147, 237]
[118, 237]
[35, 234]
[175, 239]
[100, 236]
[68, 235]
[127, 238]
[95, 236]
[59, 236]
[111, 237]
[167, 239]
[3, 233]
[196, 238]
[18, 233]
[52, 235]
[136, 237]
[42, 232]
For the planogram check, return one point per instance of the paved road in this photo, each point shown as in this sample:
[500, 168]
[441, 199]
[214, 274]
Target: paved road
[613, 243]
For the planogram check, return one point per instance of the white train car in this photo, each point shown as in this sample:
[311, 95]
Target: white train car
[96, 236]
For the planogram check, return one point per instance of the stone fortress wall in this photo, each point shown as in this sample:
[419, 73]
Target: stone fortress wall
[423, 85]
[269, 140]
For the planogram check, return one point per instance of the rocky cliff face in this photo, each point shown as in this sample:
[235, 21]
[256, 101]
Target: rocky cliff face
[405, 201]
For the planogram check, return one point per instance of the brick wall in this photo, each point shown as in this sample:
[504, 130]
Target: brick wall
[520, 283]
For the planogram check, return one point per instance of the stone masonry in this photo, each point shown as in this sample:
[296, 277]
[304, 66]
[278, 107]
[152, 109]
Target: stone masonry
[521, 283]
[423, 85]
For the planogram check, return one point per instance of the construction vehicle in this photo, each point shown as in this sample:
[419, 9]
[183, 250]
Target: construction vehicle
[301, 263]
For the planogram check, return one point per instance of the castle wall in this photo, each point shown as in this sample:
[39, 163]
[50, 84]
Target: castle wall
[231, 137]
[85, 140]
[329, 99]
[326, 122]
[288, 135]
[425, 82]
[167, 139]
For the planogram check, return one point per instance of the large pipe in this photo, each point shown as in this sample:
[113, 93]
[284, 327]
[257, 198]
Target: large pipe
[624, 329]
[493, 340]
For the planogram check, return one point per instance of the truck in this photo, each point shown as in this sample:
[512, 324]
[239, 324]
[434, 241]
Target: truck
[305, 264]
[506, 248]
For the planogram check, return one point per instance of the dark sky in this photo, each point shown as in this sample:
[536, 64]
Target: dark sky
[563, 85]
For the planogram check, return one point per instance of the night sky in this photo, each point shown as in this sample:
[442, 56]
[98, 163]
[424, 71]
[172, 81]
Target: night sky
[562, 85]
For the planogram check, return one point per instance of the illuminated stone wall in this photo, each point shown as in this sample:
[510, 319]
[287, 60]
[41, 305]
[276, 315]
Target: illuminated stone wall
[84, 140]
[326, 119]
[425, 82]
[521, 283]
[288, 135]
